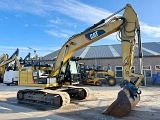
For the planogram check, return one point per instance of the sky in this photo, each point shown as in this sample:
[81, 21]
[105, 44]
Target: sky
[45, 25]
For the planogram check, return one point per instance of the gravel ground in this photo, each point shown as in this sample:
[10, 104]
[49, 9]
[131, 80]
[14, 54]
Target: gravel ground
[148, 107]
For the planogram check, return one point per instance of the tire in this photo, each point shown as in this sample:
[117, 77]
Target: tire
[84, 82]
[81, 95]
[98, 83]
[16, 83]
[20, 95]
[8, 84]
[111, 81]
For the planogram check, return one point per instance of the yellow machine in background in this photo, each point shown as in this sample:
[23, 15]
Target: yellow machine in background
[38, 74]
[11, 74]
[32, 70]
[95, 77]
[3, 58]
[26, 58]
[6, 63]
[15, 59]
[23, 70]
[34, 74]
[11, 67]
[58, 93]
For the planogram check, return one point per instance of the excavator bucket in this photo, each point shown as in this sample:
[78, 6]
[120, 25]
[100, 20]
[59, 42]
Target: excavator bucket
[123, 104]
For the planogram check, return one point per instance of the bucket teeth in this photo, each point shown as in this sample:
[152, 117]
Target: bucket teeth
[122, 105]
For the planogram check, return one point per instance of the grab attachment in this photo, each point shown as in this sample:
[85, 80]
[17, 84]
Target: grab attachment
[127, 99]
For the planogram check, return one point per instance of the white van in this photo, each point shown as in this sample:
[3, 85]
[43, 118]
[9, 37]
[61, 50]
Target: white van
[11, 77]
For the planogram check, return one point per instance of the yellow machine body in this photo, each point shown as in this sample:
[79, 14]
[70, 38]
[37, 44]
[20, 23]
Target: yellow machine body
[95, 77]
[3, 58]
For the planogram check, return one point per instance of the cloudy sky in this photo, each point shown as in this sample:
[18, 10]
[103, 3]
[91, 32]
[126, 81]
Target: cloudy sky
[45, 25]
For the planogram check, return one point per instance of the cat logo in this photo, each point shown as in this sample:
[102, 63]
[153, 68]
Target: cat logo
[94, 34]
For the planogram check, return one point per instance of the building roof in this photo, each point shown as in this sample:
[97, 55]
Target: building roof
[110, 51]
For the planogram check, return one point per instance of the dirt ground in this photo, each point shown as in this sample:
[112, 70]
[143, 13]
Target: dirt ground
[148, 108]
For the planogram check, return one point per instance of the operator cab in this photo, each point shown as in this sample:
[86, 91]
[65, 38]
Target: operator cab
[69, 72]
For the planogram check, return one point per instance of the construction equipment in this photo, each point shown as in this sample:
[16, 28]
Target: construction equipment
[15, 58]
[57, 93]
[10, 67]
[37, 73]
[3, 58]
[11, 74]
[25, 60]
[4, 64]
[8, 64]
[94, 77]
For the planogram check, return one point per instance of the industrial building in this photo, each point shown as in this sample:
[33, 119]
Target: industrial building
[102, 55]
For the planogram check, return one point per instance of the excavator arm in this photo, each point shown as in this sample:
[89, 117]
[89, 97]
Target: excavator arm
[28, 57]
[128, 28]
[16, 53]
[3, 58]
[130, 95]
[15, 58]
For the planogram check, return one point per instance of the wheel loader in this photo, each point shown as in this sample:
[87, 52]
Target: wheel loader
[58, 93]
[90, 76]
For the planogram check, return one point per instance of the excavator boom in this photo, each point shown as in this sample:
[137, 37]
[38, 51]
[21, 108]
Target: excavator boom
[85, 38]
[15, 58]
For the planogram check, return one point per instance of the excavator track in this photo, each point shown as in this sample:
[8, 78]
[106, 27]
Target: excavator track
[53, 98]
[79, 93]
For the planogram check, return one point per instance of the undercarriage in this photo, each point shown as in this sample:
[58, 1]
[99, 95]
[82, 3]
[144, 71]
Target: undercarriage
[55, 98]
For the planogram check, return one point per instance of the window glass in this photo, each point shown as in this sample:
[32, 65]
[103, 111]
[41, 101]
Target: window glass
[147, 71]
[119, 74]
[118, 71]
[118, 68]
[157, 68]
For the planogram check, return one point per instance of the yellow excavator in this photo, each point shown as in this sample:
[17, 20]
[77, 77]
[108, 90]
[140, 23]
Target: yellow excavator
[15, 58]
[58, 93]
[3, 58]
[4, 63]
[12, 72]
[25, 60]
[10, 68]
